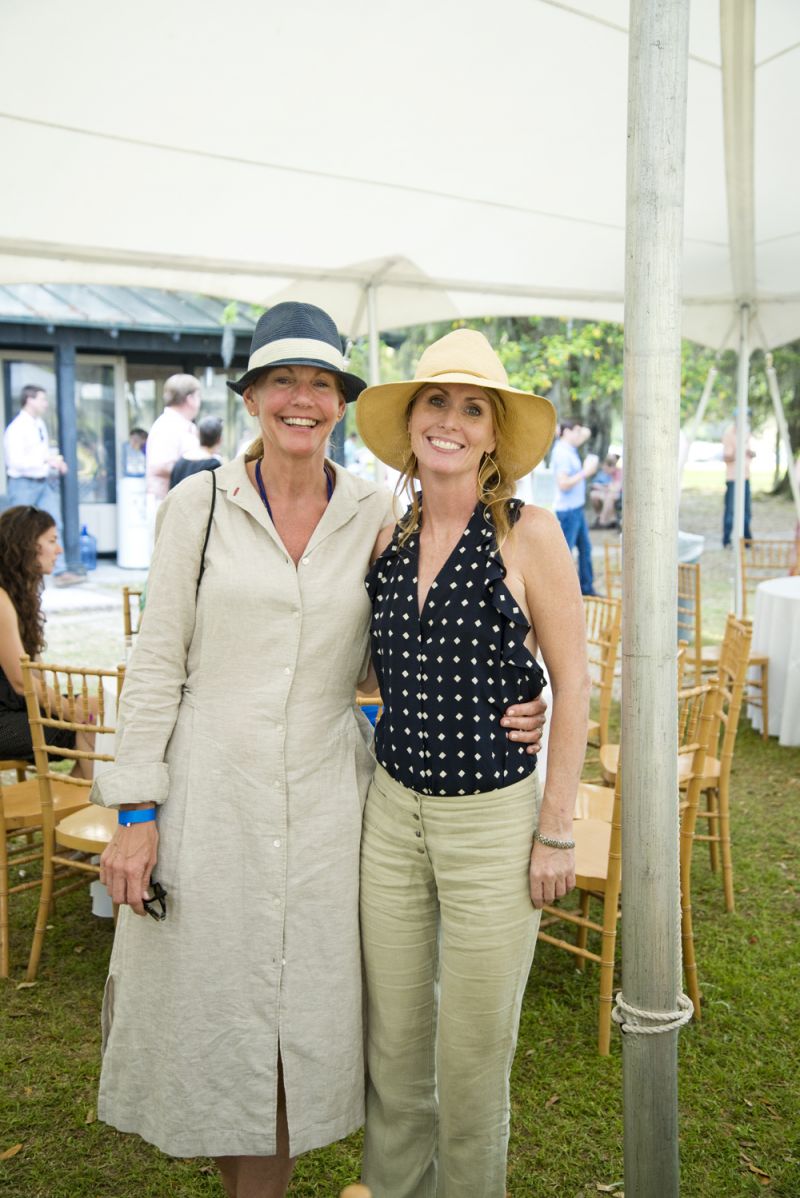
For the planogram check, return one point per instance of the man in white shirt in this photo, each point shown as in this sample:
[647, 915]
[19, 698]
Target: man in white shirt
[172, 436]
[29, 463]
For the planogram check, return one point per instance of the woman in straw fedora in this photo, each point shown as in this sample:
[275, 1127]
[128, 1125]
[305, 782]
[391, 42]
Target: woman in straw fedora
[459, 848]
[233, 1028]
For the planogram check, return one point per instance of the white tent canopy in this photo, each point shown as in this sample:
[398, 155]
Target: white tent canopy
[468, 159]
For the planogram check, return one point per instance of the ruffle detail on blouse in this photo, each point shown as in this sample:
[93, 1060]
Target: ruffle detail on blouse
[514, 626]
[381, 569]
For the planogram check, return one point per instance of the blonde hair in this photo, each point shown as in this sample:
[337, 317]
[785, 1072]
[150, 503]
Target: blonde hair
[494, 488]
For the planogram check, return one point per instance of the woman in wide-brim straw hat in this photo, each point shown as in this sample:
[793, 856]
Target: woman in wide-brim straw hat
[460, 850]
[234, 1027]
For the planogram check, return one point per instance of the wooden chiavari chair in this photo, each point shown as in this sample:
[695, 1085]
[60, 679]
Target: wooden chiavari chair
[73, 699]
[131, 614]
[612, 554]
[603, 625]
[761, 559]
[20, 825]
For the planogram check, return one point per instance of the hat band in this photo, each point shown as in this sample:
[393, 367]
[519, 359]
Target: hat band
[296, 347]
[475, 374]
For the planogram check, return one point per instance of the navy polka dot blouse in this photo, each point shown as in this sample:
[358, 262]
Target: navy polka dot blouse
[448, 674]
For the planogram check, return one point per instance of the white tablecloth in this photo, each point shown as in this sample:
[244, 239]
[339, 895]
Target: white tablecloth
[776, 635]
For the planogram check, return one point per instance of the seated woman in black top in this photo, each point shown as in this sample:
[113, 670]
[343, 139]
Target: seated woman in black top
[205, 457]
[460, 848]
[28, 550]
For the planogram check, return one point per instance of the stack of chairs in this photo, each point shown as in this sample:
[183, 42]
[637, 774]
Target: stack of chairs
[603, 626]
[731, 679]
[598, 859]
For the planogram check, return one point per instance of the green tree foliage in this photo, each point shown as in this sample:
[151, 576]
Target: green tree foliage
[577, 364]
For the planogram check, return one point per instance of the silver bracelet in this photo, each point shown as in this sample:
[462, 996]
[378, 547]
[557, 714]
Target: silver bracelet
[550, 842]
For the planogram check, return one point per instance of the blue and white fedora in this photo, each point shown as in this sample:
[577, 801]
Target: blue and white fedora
[295, 334]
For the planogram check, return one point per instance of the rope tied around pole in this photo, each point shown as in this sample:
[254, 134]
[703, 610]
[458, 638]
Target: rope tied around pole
[651, 1023]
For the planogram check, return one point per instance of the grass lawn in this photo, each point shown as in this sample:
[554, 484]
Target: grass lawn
[739, 1067]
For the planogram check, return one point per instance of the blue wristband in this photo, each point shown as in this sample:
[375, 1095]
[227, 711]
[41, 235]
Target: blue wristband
[136, 817]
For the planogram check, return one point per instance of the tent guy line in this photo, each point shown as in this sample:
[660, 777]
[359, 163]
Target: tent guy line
[617, 28]
[333, 176]
[307, 172]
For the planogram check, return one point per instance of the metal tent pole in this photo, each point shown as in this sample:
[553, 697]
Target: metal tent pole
[374, 346]
[742, 432]
[657, 81]
[374, 358]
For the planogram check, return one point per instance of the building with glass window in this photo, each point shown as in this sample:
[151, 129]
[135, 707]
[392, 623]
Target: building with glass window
[102, 354]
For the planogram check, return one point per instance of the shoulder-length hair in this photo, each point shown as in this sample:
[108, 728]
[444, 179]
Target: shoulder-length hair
[20, 572]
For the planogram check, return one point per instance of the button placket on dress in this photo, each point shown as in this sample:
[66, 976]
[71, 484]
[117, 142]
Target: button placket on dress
[279, 847]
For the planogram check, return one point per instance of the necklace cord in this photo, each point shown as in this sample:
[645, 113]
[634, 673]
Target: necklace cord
[263, 491]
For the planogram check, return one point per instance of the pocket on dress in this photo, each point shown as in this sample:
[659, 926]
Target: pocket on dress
[107, 1013]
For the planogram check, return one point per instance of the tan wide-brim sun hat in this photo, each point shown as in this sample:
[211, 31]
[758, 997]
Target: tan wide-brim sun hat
[463, 356]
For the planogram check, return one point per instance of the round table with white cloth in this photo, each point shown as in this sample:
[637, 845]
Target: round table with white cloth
[776, 635]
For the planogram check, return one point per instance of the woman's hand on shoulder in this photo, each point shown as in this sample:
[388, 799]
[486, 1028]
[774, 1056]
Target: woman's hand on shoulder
[127, 863]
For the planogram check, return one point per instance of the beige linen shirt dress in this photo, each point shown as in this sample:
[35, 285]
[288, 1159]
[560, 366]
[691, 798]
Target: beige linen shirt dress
[238, 717]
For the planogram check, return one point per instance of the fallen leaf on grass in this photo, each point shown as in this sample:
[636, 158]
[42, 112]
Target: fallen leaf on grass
[25, 985]
[208, 1169]
[613, 1188]
[9, 1152]
[91, 1115]
[552, 1100]
[79, 948]
[764, 1178]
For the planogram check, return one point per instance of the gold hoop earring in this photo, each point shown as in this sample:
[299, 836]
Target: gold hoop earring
[487, 468]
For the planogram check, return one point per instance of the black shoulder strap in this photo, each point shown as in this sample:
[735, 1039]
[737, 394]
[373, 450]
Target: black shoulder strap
[213, 474]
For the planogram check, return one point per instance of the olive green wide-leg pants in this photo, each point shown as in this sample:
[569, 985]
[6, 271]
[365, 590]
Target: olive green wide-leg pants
[448, 933]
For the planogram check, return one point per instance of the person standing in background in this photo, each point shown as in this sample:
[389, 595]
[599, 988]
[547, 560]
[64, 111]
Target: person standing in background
[570, 475]
[205, 457]
[30, 462]
[729, 458]
[133, 453]
[172, 436]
